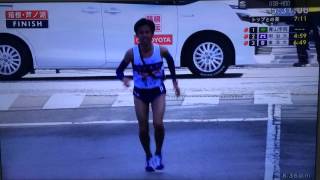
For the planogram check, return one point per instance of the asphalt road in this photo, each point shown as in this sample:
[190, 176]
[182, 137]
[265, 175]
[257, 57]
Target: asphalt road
[192, 150]
[261, 125]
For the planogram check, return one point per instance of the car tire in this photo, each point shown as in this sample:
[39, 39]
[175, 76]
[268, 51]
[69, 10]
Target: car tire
[15, 59]
[209, 55]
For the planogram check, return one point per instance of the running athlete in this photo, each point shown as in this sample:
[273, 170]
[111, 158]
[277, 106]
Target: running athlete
[148, 76]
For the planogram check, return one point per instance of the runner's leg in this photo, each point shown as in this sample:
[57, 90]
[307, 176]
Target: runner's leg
[158, 109]
[142, 113]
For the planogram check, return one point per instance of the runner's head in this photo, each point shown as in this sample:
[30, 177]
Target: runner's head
[144, 30]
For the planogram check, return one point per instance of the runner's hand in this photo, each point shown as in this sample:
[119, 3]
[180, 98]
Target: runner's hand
[176, 88]
[126, 81]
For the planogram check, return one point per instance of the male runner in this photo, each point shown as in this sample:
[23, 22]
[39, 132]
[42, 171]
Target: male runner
[148, 75]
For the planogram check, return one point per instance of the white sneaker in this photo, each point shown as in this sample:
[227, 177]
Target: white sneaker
[158, 162]
[149, 165]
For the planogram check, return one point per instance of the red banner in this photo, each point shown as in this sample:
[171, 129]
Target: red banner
[156, 20]
[161, 39]
[26, 15]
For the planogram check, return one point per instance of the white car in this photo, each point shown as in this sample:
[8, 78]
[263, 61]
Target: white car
[205, 36]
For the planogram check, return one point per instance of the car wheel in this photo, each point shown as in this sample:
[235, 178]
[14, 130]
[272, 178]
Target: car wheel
[14, 59]
[209, 56]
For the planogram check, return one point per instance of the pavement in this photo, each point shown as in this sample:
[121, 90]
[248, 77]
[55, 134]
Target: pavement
[14, 102]
[244, 85]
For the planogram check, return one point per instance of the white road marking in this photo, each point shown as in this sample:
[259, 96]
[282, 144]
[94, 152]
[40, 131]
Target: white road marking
[131, 122]
[272, 97]
[201, 97]
[272, 157]
[64, 100]
[6, 100]
[123, 99]
[34, 124]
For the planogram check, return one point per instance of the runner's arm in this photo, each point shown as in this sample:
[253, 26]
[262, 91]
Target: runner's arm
[124, 64]
[165, 53]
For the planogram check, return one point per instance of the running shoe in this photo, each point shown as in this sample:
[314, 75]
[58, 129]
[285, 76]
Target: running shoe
[158, 162]
[300, 64]
[149, 164]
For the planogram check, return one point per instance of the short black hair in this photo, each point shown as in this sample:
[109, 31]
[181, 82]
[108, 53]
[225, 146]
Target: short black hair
[142, 22]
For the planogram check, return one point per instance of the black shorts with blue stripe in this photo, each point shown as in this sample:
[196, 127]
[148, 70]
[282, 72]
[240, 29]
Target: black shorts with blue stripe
[148, 95]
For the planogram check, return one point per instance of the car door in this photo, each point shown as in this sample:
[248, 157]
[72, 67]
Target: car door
[72, 38]
[119, 20]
